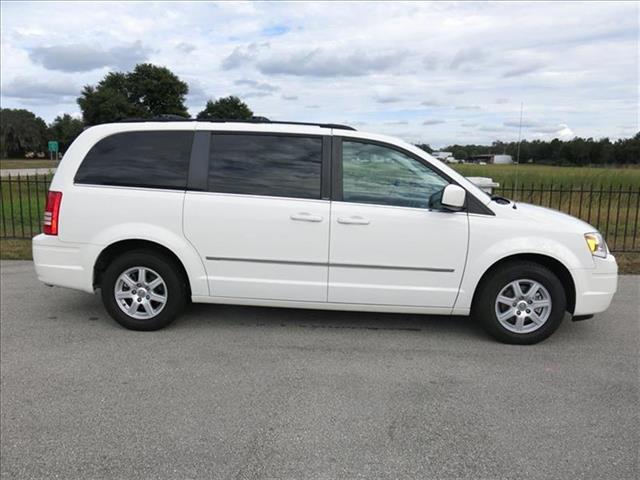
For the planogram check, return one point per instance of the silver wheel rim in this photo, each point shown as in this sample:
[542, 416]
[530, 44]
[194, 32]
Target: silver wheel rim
[523, 306]
[140, 293]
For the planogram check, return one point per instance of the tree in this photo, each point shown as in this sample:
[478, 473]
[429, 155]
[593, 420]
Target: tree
[65, 129]
[426, 147]
[148, 91]
[227, 108]
[577, 151]
[158, 90]
[21, 131]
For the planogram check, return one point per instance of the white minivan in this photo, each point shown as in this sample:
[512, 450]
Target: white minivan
[157, 213]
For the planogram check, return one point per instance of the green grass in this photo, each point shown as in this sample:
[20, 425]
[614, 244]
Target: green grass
[27, 163]
[15, 249]
[547, 174]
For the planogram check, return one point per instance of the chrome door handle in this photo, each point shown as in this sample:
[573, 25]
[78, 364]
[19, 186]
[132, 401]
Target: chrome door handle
[355, 220]
[305, 217]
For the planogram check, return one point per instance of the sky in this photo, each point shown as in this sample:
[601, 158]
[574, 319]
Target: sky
[438, 73]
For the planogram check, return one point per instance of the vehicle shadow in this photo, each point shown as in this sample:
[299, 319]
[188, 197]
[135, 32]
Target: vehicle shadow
[79, 305]
[204, 315]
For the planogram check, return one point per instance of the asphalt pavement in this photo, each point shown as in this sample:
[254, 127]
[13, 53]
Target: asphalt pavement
[248, 393]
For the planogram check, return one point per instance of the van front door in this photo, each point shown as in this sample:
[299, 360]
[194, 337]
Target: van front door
[389, 245]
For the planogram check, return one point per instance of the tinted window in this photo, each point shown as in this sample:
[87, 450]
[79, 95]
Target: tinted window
[375, 174]
[140, 159]
[274, 165]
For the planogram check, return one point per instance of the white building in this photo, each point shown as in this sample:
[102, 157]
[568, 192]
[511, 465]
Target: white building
[445, 157]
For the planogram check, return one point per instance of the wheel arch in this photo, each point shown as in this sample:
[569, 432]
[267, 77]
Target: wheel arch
[112, 251]
[553, 264]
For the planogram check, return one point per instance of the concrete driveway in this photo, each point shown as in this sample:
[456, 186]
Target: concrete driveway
[240, 392]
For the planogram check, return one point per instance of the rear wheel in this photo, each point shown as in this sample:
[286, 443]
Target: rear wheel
[142, 290]
[521, 303]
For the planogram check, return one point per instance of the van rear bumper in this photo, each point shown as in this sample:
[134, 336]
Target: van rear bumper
[595, 287]
[62, 264]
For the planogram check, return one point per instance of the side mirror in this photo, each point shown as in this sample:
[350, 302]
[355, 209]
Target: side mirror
[453, 197]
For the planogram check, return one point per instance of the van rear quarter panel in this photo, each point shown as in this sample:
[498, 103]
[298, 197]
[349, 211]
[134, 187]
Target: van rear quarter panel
[99, 215]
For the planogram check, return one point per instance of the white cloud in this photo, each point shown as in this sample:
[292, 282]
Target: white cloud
[565, 132]
[431, 103]
[80, 57]
[263, 86]
[318, 62]
[522, 70]
[382, 66]
[50, 90]
[465, 57]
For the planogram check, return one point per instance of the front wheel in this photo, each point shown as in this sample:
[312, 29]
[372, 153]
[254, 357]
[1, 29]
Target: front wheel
[521, 303]
[142, 290]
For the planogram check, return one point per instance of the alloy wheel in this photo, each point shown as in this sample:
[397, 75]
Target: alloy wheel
[140, 292]
[523, 306]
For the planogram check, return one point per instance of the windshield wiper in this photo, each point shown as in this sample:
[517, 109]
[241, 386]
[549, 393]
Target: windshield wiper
[503, 201]
[500, 200]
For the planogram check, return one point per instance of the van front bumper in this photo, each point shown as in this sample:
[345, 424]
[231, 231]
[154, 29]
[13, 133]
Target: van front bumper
[63, 264]
[595, 287]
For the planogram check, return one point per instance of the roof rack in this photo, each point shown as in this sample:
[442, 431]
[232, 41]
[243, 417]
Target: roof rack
[178, 118]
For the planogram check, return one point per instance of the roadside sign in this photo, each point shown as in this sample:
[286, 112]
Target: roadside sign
[53, 146]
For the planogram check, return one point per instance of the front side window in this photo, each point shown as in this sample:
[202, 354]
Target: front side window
[270, 165]
[384, 176]
[139, 159]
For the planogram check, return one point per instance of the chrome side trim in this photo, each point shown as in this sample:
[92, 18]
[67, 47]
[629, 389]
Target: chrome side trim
[325, 264]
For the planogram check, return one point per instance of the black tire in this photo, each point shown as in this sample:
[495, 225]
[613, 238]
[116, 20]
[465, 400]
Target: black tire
[484, 307]
[165, 268]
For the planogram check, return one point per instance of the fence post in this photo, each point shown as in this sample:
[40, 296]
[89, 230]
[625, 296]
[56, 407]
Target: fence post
[617, 226]
[570, 198]
[599, 207]
[580, 201]
[609, 211]
[626, 221]
[635, 223]
[560, 197]
[541, 193]
[38, 203]
[29, 210]
[4, 222]
[13, 219]
[20, 205]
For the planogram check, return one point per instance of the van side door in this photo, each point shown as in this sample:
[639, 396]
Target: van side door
[260, 221]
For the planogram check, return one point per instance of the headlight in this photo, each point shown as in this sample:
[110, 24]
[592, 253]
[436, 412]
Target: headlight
[596, 244]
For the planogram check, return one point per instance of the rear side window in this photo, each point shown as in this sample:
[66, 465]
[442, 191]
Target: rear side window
[272, 165]
[139, 159]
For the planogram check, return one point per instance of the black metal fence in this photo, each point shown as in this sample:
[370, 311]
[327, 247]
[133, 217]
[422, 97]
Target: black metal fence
[23, 198]
[612, 210]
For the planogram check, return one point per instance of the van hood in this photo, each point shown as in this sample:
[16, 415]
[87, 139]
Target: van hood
[548, 216]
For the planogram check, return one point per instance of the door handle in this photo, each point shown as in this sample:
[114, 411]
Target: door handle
[354, 220]
[305, 217]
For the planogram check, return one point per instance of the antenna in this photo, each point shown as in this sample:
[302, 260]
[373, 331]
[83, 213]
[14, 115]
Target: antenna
[518, 151]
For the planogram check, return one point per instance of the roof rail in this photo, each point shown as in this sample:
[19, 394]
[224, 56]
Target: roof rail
[178, 118]
[165, 117]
